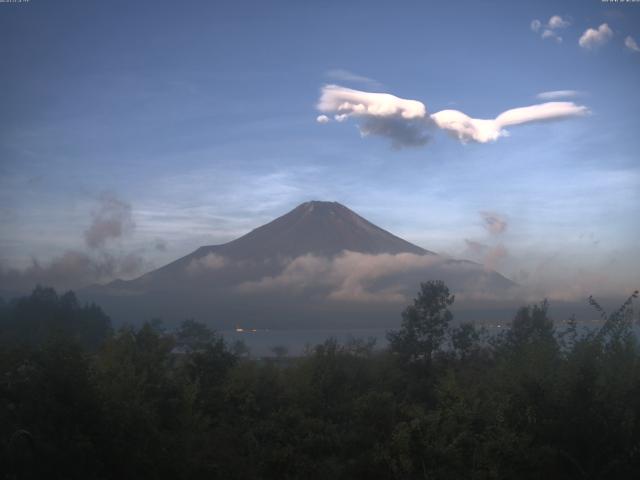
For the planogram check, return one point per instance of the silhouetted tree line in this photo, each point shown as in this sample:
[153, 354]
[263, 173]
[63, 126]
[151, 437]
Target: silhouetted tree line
[81, 401]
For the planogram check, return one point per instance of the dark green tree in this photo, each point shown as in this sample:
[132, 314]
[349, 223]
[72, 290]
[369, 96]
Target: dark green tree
[193, 336]
[424, 324]
[35, 319]
[465, 340]
[532, 326]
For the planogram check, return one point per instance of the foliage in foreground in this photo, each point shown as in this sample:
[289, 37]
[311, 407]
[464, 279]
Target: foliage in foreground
[441, 402]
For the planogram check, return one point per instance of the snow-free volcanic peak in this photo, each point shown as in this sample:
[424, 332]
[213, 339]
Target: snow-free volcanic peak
[317, 227]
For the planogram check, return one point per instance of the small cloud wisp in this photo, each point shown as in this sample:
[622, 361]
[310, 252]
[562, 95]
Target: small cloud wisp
[631, 44]
[558, 94]
[549, 31]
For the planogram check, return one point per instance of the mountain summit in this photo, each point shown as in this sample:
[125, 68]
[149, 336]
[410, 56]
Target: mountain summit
[321, 228]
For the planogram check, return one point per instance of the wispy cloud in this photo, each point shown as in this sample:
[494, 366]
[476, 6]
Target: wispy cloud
[111, 220]
[341, 75]
[494, 222]
[406, 122]
[558, 94]
[494, 256]
[490, 255]
[550, 34]
[593, 38]
[229, 203]
[631, 44]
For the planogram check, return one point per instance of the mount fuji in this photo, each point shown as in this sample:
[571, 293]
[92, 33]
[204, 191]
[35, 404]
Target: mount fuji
[319, 265]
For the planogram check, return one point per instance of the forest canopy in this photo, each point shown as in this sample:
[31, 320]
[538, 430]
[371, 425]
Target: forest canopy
[79, 399]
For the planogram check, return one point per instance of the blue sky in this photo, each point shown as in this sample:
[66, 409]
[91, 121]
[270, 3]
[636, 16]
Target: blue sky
[202, 117]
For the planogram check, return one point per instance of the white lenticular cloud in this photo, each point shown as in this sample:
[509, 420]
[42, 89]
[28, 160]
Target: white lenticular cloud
[558, 94]
[541, 112]
[631, 44]
[406, 122]
[402, 121]
[593, 38]
[468, 129]
[349, 102]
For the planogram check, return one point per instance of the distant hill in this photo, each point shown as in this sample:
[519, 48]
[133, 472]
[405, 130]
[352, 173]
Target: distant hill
[319, 265]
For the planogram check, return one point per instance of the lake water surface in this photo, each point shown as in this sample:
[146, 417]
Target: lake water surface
[262, 342]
